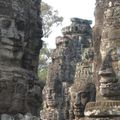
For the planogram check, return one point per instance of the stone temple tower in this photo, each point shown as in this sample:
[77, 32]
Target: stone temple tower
[107, 105]
[20, 42]
[69, 47]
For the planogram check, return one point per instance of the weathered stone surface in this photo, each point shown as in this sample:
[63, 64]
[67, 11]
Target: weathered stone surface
[80, 96]
[96, 34]
[19, 116]
[108, 98]
[20, 42]
[100, 66]
[69, 48]
[109, 49]
[52, 96]
[83, 90]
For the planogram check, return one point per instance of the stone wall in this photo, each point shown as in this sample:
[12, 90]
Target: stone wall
[20, 42]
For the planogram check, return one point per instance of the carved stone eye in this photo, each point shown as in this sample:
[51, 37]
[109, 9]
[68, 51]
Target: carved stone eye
[20, 25]
[84, 95]
[5, 24]
[73, 96]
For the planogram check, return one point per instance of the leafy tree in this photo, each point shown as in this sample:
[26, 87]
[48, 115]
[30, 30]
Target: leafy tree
[44, 60]
[50, 18]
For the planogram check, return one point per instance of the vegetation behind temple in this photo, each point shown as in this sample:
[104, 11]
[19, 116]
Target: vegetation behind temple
[50, 18]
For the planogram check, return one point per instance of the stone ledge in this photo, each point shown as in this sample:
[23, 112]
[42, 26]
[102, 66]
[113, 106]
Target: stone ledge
[107, 108]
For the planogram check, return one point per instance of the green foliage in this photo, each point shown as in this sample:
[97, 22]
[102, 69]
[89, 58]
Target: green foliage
[50, 18]
[42, 74]
[44, 59]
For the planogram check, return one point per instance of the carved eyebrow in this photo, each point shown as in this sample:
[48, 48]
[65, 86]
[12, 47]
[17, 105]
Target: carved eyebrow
[5, 23]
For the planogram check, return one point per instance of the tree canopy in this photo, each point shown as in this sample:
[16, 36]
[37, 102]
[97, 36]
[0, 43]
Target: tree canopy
[50, 17]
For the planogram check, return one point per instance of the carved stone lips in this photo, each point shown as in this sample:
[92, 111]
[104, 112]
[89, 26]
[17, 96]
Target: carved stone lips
[51, 102]
[78, 108]
[112, 86]
[79, 111]
[10, 44]
[108, 79]
[107, 76]
[107, 85]
[105, 72]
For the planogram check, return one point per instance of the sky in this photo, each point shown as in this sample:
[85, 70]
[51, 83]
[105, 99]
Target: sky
[67, 9]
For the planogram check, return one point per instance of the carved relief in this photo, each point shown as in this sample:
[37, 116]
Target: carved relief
[17, 26]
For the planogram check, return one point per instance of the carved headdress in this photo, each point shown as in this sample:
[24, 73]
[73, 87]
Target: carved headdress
[14, 8]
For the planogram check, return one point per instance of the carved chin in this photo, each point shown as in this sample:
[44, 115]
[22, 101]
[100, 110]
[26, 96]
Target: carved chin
[79, 112]
[51, 103]
[110, 89]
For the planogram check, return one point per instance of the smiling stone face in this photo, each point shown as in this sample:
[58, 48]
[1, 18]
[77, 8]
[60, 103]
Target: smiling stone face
[79, 100]
[80, 96]
[110, 74]
[13, 29]
[11, 38]
[51, 97]
[53, 94]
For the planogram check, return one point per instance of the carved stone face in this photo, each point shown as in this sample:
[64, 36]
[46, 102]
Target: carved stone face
[110, 74]
[79, 101]
[51, 97]
[80, 97]
[53, 94]
[11, 37]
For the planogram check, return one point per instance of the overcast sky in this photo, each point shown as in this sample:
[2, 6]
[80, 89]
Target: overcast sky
[68, 9]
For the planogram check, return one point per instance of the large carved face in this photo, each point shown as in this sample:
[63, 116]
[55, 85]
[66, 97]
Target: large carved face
[50, 97]
[11, 37]
[79, 101]
[80, 96]
[110, 74]
[53, 94]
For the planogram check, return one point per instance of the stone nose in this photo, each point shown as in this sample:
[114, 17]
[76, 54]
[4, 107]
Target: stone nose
[13, 32]
[107, 74]
[106, 68]
[77, 100]
[49, 96]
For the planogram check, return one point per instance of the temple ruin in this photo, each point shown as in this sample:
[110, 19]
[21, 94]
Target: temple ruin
[76, 41]
[20, 42]
[86, 63]
[83, 81]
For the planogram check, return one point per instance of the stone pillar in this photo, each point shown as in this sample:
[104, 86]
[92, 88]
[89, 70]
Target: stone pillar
[20, 42]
